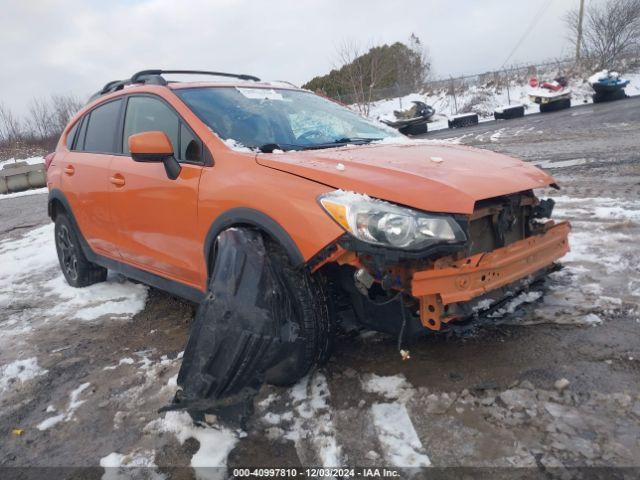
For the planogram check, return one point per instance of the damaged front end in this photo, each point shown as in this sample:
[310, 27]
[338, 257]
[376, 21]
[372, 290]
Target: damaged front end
[264, 320]
[509, 243]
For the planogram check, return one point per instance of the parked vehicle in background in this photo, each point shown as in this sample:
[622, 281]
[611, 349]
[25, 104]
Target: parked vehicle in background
[608, 86]
[412, 121]
[551, 96]
[283, 214]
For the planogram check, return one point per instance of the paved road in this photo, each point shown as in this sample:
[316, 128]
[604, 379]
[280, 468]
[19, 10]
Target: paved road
[488, 399]
[22, 213]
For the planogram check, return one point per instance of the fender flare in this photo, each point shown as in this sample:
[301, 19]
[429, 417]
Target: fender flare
[254, 218]
[58, 195]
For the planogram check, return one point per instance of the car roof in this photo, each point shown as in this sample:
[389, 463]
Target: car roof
[226, 83]
[155, 77]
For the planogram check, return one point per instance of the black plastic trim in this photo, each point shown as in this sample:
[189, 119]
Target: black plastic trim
[391, 255]
[175, 288]
[140, 76]
[254, 218]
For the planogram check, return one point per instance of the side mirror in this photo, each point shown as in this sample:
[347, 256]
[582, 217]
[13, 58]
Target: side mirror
[154, 147]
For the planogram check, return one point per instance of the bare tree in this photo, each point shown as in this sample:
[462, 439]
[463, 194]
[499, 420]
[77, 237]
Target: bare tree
[40, 119]
[47, 118]
[610, 32]
[63, 108]
[11, 128]
[43, 123]
[354, 73]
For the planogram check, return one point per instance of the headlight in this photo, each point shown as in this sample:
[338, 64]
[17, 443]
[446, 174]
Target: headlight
[381, 223]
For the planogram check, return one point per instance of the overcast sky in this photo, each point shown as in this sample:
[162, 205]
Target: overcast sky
[75, 46]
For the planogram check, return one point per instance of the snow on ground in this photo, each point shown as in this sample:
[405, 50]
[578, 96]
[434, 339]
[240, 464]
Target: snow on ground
[137, 464]
[561, 163]
[30, 161]
[390, 387]
[215, 441]
[68, 413]
[30, 269]
[313, 422]
[34, 191]
[397, 436]
[601, 273]
[307, 420]
[115, 299]
[19, 371]
[484, 100]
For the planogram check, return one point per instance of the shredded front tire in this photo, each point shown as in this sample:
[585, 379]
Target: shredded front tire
[261, 320]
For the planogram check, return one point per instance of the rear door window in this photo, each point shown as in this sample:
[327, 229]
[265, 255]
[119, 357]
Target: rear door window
[146, 114]
[102, 128]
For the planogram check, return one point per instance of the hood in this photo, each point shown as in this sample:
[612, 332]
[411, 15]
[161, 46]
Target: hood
[430, 177]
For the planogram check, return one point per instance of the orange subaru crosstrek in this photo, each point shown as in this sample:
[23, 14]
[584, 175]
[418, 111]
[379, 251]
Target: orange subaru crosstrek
[283, 215]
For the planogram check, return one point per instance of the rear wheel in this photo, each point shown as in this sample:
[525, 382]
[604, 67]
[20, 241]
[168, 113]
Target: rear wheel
[76, 268]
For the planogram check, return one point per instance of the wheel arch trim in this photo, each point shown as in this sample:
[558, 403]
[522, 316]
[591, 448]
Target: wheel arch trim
[254, 218]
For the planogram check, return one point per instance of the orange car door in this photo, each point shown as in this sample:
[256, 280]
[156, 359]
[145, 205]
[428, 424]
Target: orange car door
[156, 217]
[85, 173]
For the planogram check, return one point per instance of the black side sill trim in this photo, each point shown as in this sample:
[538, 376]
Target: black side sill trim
[170, 286]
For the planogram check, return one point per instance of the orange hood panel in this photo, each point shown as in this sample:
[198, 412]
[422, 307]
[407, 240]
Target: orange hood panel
[429, 177]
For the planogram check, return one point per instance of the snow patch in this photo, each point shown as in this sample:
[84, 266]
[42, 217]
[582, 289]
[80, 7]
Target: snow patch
[74, 403]
[115, 298]
[560, 163]
[237, 146]
[390, 387]
[29, 161]
[19, 371]
[123, 361]
[215, 441]
[313, 423]
[397, 437]
[138, 464]
[33, 191]
[31, 272]
[514, 303]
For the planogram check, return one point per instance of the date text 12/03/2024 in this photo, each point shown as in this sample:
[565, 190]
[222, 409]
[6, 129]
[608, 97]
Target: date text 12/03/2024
[316, 472]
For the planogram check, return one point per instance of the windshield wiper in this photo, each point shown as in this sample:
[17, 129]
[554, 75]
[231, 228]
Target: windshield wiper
[356, 140]
[270, 147]
[340, 142]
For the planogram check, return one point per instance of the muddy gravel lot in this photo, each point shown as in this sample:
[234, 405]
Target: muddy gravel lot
[551, 381]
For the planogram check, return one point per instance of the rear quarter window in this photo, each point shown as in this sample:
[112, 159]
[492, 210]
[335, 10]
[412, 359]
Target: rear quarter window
[71, 135]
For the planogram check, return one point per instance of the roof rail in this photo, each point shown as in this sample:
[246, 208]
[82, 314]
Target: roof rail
[154, 77]
[140, 76]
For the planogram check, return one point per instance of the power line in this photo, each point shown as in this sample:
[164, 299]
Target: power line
[526, 33]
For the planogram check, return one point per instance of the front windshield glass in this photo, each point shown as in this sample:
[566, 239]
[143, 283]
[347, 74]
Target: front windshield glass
[280, 118]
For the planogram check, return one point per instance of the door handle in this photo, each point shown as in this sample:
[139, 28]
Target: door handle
[117, 180]
[69, 170]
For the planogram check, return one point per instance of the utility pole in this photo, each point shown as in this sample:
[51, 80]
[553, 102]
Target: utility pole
[579, 39]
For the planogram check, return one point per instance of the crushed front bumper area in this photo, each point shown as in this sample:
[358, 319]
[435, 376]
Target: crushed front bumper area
[442, 290]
